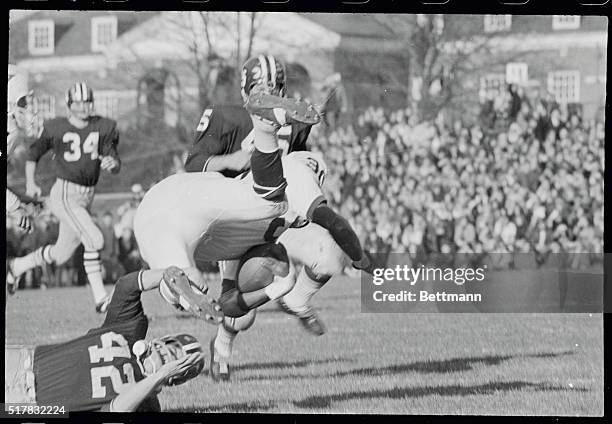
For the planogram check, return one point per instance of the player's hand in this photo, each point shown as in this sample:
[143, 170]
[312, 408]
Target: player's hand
[179, 366]
[365, 264]
[109, 163]
[33, 190]
[239, 160]
[23, 220]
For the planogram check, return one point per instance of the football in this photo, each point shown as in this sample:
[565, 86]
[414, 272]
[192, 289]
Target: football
[260, 265]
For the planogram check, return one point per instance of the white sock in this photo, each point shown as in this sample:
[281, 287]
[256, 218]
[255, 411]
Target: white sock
[305, 288]
[264, 136]
[224, 341]
[93, 268]
[30, 261]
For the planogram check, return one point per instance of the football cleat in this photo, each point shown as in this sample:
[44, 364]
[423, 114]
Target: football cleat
[309, 319]
[12, 281]
[279, 111]
[201, 305]
[218, 369]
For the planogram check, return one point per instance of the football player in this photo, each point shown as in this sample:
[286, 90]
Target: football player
[111, 368]
[83, 144]
[20, 122]
[206, 216]
[224, 142]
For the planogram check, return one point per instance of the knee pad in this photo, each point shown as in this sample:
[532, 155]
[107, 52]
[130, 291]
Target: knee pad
[240, 323]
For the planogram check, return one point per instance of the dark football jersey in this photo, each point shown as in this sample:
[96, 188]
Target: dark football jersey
[87, 373]
[77, 151]
[226, 129]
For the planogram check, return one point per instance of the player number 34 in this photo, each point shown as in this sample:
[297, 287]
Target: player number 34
[90, 146]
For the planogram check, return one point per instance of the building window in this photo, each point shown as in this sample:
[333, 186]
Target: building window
[566, 21]
[496, 23]
[107, 103]
[516, 73]
[41, 37]
[493, 84]
[565, 86]
[103, 32]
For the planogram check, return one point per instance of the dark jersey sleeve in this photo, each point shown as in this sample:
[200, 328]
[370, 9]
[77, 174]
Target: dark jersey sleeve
[208, 142]
[42, 145]
[110, 139]
[125, 304]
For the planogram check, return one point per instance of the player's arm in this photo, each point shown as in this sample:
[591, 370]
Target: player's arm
[37, 149]
[126, 304]
[130, 399]
[110, 160]
[342, 233]
[208, 150]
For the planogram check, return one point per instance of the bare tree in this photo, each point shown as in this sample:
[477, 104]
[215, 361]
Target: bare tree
[443, 61]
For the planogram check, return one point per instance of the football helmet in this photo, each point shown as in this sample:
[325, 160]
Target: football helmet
[21, 103]
[263, 70]
[154, 354]
[80, 100]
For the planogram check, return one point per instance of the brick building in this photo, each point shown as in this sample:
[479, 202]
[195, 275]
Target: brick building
[564, 55]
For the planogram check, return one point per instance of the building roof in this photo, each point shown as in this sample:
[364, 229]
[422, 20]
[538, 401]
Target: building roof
[351, 24]
[72, 29]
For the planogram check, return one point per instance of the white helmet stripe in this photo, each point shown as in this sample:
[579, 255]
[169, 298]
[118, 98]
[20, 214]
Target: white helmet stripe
[264, 68]
[84, 92]
[77, 93]
[272, 70]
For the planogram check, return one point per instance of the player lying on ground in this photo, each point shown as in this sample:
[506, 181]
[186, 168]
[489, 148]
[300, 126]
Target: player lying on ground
[111, 368]
[20, 123]
[224, 143]
[82, 143]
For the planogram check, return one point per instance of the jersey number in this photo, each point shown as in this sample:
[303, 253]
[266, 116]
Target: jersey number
[90, 145]
[204, 120]
[113, 346]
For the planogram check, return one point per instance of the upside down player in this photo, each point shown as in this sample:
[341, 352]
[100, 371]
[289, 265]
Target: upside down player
[216, 218]
[223, 144]
[111, 368]
[82, 143]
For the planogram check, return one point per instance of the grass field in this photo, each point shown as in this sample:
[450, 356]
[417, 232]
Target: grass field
[417, 363]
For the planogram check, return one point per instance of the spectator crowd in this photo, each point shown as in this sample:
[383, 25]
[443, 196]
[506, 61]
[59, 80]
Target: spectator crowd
[526, 177]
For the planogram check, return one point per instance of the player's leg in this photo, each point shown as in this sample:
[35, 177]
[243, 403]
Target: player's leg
[185, 287]
[221, 345]
[313, 247]
[75, 204]
[60, 252]
[265, 266]
[269, 113]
